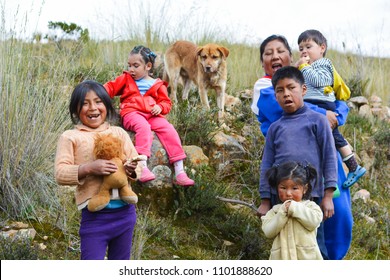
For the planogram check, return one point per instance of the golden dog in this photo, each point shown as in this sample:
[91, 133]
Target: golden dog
[205, 66]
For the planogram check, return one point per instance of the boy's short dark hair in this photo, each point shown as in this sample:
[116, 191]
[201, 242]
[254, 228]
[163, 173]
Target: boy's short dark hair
[314, 35]
[288, 72]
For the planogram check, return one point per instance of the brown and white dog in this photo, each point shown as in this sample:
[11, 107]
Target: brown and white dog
[205, 66]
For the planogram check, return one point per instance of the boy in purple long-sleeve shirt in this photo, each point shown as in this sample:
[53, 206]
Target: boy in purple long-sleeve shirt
[301, 135]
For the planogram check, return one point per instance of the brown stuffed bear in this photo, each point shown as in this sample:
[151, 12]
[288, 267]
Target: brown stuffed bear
[110, 147]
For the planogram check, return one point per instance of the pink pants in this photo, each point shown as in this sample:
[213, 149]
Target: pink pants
[143, 124]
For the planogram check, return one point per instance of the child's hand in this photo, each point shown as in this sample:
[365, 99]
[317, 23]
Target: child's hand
[287, 205]
[156, 110]
[130, 167]
[264, 207]
[302, 60]
[327, 205]
[97, 167]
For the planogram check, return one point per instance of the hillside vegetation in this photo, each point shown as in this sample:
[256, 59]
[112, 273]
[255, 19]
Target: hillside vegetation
[36, 81]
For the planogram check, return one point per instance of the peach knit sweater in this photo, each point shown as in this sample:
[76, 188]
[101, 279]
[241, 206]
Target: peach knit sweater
[74, 148]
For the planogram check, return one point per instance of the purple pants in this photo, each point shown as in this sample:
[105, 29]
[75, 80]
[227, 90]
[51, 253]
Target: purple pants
[112, 228]
[143, 124]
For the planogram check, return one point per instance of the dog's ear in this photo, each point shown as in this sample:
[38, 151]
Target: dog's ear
[199, 50]
[224, 51]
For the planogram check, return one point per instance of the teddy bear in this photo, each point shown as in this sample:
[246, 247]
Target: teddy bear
[109, 147]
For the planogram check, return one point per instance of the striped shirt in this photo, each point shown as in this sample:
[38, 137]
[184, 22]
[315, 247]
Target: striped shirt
[317, 76]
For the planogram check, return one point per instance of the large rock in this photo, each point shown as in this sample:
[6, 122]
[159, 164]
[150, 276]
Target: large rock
[371, 108]
[226, 148]
[365, 111]
[159, 193]
[195, 155]
[359, 100]
[232, 103]
[361, 194]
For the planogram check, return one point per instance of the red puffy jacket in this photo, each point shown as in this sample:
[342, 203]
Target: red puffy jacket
[132, 100]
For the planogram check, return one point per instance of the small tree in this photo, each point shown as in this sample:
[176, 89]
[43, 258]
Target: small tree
[59, 31]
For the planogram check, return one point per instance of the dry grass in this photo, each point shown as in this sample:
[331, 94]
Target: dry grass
[36, 81]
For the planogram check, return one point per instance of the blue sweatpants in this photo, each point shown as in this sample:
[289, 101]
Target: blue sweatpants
[338, 229]
[108, 228]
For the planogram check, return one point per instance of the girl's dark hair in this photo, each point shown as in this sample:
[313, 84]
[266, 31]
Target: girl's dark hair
[279, 38]
[300, 173]
[78, 96]
[314, 35]
[146, 54]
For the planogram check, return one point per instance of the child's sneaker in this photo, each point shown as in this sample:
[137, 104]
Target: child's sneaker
[146, 175]
[353, 177]
[183, 180]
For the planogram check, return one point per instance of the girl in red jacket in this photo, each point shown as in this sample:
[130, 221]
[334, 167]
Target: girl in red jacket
[143, 103]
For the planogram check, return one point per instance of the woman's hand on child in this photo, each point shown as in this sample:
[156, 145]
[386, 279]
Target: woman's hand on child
[331, 116]
[156, 110]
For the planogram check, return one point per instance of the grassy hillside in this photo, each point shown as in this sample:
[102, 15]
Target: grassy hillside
[36, 81]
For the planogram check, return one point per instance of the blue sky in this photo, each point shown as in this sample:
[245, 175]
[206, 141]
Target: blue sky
[361, 26]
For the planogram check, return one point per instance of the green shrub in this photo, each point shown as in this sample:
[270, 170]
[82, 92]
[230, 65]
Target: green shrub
[358, 85]
[17, 249]
[199, 200]
[382, 139]
[363, 245]
[193, 123]
[243, 228]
